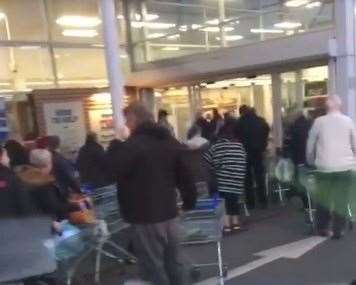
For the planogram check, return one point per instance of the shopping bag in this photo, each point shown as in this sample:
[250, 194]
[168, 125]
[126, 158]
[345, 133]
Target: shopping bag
[284, 171]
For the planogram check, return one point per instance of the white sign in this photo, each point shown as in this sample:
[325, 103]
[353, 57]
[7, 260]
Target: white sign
[66, 120]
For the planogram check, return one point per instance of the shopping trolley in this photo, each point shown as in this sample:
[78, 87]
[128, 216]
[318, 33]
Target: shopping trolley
[81, 242]
[307, 179]
[205, 225]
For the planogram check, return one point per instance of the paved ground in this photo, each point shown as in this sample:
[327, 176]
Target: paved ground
[330, 262]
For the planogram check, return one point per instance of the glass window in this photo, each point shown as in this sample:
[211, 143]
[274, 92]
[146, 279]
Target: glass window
[81, 67]
[75, 21]
[168, 29]
[25, 67]
[17, 24]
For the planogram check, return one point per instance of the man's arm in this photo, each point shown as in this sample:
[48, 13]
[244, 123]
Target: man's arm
[311, 144]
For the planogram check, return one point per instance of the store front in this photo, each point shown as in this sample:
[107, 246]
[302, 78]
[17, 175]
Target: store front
[299, 90]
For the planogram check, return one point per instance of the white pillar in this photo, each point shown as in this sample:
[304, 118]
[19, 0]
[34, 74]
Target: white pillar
[299, 89]
[345, 59]
[277, 127]
[332, 76]
[112, 56]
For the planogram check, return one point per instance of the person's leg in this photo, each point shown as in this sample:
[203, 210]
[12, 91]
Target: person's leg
[250, 195]
[260, 172]
[229, 209]
[322, 201]
[174, 264]
[149, 245]
[340, 198]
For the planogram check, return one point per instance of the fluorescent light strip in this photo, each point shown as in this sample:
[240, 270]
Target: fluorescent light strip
[149, 17]
[312, 5]
[78, 21]
[288, 25]
[267, 31]
[30, 47]
[155, 35]
[170, 48]
[216, 29]
[296, 3]
[174, 37]
[80, 33]
[183, 28]
[152, 25]
[231, 38]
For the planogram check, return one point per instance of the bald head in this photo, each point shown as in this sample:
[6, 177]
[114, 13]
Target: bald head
[334, 103]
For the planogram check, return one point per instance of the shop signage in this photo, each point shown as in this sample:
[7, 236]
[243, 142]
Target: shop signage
[66, 120]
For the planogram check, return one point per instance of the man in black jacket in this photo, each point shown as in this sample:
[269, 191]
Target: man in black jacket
[149, 167]
[253, 131]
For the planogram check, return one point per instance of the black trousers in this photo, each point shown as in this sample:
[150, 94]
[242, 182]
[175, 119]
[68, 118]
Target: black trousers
[232, 206]
[332, 200]
[255, 172]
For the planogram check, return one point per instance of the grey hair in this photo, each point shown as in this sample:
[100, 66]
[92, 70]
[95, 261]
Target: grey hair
[140, 112]
[334, 102]
[41, 158]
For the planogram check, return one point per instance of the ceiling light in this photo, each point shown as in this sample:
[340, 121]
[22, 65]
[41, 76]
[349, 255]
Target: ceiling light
[217, 29]
[174, 37]
[196, 26]
[78, 21]
[151, 17]
[152, 25]
[288, 25]
[30, 47]
[301, 31]
[312, 5]
[148, 17]
[123, 55]
[213, 22]
[120, 17]
[80, 33]
[135, 24]
[266, 31]
[231, 38]
[237, 22]
[183, 28]
[170, 48]
[155, 35]
[290, 33]
[2, 15]
[159, 25]
[296, 3]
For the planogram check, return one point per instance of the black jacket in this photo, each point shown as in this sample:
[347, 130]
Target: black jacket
[253, 132]
[299, 131]
[149, 167]
[92, 165]
[14, 199]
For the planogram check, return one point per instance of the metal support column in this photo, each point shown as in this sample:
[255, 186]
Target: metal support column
[221, 22]
[299, 89]
[277, 109]
[112, 56]
[346, 59]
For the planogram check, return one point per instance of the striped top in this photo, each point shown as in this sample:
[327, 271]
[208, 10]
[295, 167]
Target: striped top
[228, 160]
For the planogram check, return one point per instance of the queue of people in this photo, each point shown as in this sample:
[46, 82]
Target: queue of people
[148, 166]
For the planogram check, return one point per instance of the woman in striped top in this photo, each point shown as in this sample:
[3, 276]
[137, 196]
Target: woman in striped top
[227, 158]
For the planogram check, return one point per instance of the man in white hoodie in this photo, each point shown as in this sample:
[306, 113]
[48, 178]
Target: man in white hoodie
[332, 150]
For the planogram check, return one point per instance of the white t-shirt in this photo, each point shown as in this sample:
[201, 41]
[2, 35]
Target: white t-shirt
[332, 143]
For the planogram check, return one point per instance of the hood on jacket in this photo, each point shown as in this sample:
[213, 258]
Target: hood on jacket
[34, 176]
[153, 130]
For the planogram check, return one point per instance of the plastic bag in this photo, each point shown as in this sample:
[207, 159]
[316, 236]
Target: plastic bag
[284, 171]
